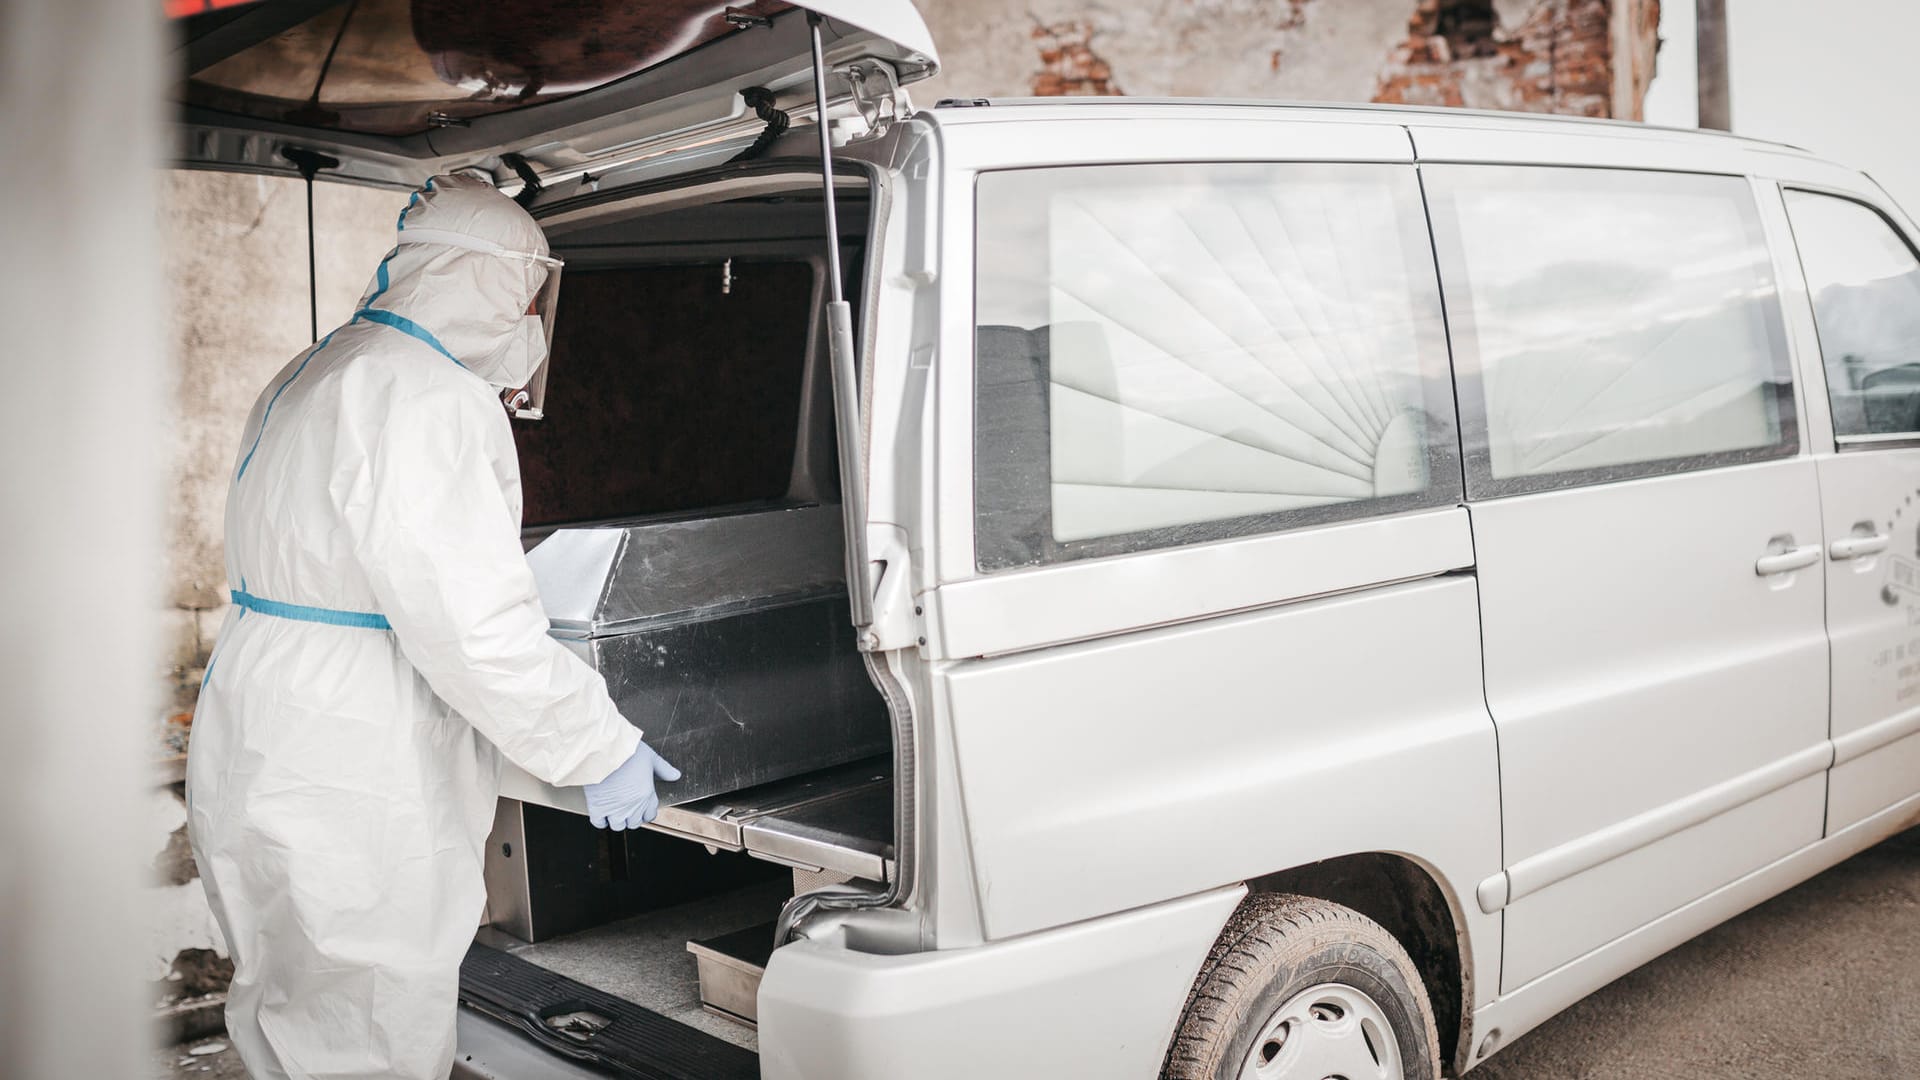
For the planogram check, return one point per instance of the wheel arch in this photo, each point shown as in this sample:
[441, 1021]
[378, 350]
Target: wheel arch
[1406, 897]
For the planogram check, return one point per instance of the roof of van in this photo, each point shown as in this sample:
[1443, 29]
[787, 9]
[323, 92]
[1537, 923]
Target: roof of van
[970, 110]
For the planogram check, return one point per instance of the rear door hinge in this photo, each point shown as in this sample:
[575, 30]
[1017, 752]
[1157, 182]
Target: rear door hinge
[876, 93]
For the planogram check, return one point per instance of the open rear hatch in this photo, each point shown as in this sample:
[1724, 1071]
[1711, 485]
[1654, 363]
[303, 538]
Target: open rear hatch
[736, 633]
[396, 91]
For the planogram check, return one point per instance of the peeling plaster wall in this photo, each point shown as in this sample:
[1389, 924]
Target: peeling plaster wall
[178, 917]
[1636, 46]
[1543, 56]
[1307, 50]
[1553, 60]
[236, 261]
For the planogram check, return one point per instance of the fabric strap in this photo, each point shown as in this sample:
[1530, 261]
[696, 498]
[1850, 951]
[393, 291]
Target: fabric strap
[303, 613]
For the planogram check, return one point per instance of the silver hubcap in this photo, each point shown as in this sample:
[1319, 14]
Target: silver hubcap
[1329, 1032]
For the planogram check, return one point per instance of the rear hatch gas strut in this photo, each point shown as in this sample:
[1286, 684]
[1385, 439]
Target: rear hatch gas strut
[310, 162]
[853, 493]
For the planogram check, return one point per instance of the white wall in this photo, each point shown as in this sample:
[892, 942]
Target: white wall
[87, 367]
[1673, 100]
[1835, 78]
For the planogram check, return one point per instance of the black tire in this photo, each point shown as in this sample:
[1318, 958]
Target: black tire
[1275, 947]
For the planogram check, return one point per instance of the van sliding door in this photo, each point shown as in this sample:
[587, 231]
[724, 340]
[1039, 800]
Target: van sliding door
[1647, 531]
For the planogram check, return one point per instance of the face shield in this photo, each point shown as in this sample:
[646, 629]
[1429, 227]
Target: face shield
[542, 272]
[529, 402]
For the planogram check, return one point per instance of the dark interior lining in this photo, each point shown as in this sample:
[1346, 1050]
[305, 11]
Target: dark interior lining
[668, 393]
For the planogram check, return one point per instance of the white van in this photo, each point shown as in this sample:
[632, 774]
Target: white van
[1260, 591]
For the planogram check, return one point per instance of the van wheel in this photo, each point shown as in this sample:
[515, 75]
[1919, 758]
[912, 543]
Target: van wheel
[1302, 989]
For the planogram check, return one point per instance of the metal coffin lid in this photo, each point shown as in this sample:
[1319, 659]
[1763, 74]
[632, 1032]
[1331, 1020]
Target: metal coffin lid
[625, 578]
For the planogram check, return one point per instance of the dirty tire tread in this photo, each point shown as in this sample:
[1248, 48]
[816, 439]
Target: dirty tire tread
[1272, 933]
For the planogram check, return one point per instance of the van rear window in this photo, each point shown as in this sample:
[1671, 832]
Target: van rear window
[1609, 324]
[1168, 354]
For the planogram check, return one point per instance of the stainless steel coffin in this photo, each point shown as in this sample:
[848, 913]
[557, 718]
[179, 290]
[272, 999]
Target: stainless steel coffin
[725, 639]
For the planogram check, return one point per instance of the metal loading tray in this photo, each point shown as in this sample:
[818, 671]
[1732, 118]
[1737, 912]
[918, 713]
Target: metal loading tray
[838, 820]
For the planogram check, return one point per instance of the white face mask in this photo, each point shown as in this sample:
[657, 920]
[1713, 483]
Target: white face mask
[520, 355]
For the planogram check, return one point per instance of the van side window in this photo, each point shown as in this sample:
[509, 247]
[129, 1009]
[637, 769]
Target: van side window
[1865, 283]
[1609, 324]
[1168, 354]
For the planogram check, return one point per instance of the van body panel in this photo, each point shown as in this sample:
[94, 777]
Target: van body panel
[1873, 617]
[1100, 998]
[1609, 146]
[1579, 912]
[1589, 690]
[1869, 485]
[1877, 773]
[1109, 775]
[1634, 658]
[1523, 1008]
[1016, 611]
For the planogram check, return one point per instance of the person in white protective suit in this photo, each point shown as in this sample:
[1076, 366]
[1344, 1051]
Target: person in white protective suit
[385, 646]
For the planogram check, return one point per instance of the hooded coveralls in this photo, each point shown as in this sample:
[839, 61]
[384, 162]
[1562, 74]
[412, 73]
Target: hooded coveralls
[386, 644]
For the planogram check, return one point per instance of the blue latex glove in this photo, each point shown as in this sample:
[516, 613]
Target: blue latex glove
[626, 799]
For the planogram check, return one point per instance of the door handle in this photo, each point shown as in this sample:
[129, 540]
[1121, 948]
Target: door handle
[1785, 562]
[1857, 547]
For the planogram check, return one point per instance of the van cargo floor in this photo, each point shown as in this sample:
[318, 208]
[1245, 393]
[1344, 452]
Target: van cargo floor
[584, 1023]
[644, 960]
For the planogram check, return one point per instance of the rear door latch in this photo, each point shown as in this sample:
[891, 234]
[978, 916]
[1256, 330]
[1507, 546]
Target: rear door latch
[894, 624]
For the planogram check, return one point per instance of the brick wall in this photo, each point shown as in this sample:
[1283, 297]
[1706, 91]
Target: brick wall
[1559, 59]
[1582, 57]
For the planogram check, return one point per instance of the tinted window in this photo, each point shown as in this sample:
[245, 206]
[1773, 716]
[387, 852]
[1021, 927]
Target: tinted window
[668, 393]
[1865, 283]
[1174, 353]
[1608, 324]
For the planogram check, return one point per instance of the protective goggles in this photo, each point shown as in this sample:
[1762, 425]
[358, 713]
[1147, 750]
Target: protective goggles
[543, 284]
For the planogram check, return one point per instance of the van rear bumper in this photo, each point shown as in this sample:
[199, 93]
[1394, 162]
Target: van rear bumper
[1098, 998]
[491, 1050]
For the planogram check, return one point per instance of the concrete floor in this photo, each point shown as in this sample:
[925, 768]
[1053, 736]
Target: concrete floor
[211, 1064]
[1822, 980]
